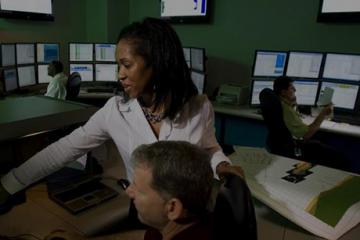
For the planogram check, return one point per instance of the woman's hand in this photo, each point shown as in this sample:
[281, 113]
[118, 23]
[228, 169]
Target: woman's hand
[224, 168]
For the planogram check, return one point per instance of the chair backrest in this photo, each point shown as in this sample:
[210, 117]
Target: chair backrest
[279, 139]
[73, 86]
[234, 213]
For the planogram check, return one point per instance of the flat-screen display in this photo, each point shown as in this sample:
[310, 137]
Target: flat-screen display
[342, 66]
[256, 87]
[10, 79]
[304, 64]
[8, 55]
[187, 56]
[185, 10]
[26, 75]
[47, 52]
[81, 52]
[345, 94]
[199, 80]
[43, 76]
[105, 52]
[86, 71]
[27, 9]
[197, 59]
[106, 72]
[269, 64]
[339, 11]
[306, 92]
[25, 53]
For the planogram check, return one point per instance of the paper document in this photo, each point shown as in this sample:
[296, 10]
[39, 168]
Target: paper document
[322, 200]
[325, 97]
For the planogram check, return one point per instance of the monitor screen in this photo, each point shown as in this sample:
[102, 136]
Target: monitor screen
[199, 81]
[185, 10]
[81, 51]
[304, 64]
[269, 64]
[8, 55]
[43, 76]
[187, 56]
[26, 75]
[47, 52]
[345, 94]
[342, 66]
[105, 52]
[27, 9]
[86, 71]
[25, 53]
[106, 72]
[339, 11]
[306, 92]
[257, 86]
[10, 79]
[197, 59]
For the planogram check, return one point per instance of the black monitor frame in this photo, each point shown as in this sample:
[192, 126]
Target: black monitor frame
[270, 51]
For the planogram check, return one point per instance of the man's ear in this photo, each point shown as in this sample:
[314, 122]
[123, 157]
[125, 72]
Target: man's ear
[174, 209]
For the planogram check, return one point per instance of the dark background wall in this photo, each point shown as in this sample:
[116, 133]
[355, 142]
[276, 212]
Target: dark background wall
[236, 30]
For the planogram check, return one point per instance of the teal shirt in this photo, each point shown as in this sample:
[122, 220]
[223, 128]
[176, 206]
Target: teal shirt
[292, 120]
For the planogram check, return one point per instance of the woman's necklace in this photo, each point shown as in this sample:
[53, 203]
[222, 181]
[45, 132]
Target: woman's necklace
[152, 117]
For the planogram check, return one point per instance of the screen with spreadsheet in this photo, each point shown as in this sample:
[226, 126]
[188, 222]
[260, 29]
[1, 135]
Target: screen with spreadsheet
[43, 76]
[306, 92]
[26, 75]
[86, 71]
[25, 53]
[106, 72]
[8, 55]
[304, 64]
[345, 94]
[79, 52]
[199, 81]
[10, 79]
[269, 64]
[105, 52]
[342, 66]
[47, 52]
[256, 87]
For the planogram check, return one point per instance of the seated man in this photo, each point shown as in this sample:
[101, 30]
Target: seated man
[312, 150]
[171, 188]
[57, 84]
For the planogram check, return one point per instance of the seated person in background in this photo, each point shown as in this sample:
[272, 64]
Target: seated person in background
[312, 150]
[57, 84]
[171, 189]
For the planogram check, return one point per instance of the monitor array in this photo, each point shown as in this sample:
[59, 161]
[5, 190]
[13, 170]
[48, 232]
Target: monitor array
[195, 59]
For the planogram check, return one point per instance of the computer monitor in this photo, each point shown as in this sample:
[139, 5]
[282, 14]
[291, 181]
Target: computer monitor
[269, 63]
[106, 72]
[342, 66]
[8, 55]
[86, 71]
[306, 92]
[187, 56]
[199, 80]
[26, 75]
[256, 87]
[47, 52]
[185, 11]
[10, 79]
[345, 94]
[81, 52]
[197, 59]
[43, 76]
[25, 53]
[304, 64]
[105, 52]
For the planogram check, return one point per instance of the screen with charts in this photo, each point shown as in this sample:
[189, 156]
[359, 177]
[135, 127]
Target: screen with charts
[26, 75]
[47, 52]
[342, 66]
[304, 64]
[85, 70]
[306, 92]
[175, 8]
[10, 79]
[8, 55]
[197, 59]
[81, 52]
[25, 53]
[43, 76]
[256, 87]
[105, 52]
[187, 56]
[199, 81]
[106, 72]
[345, 94]
[269, 64]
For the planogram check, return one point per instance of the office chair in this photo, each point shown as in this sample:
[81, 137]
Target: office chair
[234, 214]
[279, 139]
[73, 86]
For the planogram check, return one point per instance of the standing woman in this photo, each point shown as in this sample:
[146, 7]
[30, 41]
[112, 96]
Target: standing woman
[160, 102]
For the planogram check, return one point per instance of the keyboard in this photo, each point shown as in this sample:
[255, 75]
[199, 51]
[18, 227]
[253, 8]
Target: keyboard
[353, 120]
[100, 90]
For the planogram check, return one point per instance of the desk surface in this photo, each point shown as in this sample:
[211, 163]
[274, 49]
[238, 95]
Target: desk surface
[328, 126]
[20, 116]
